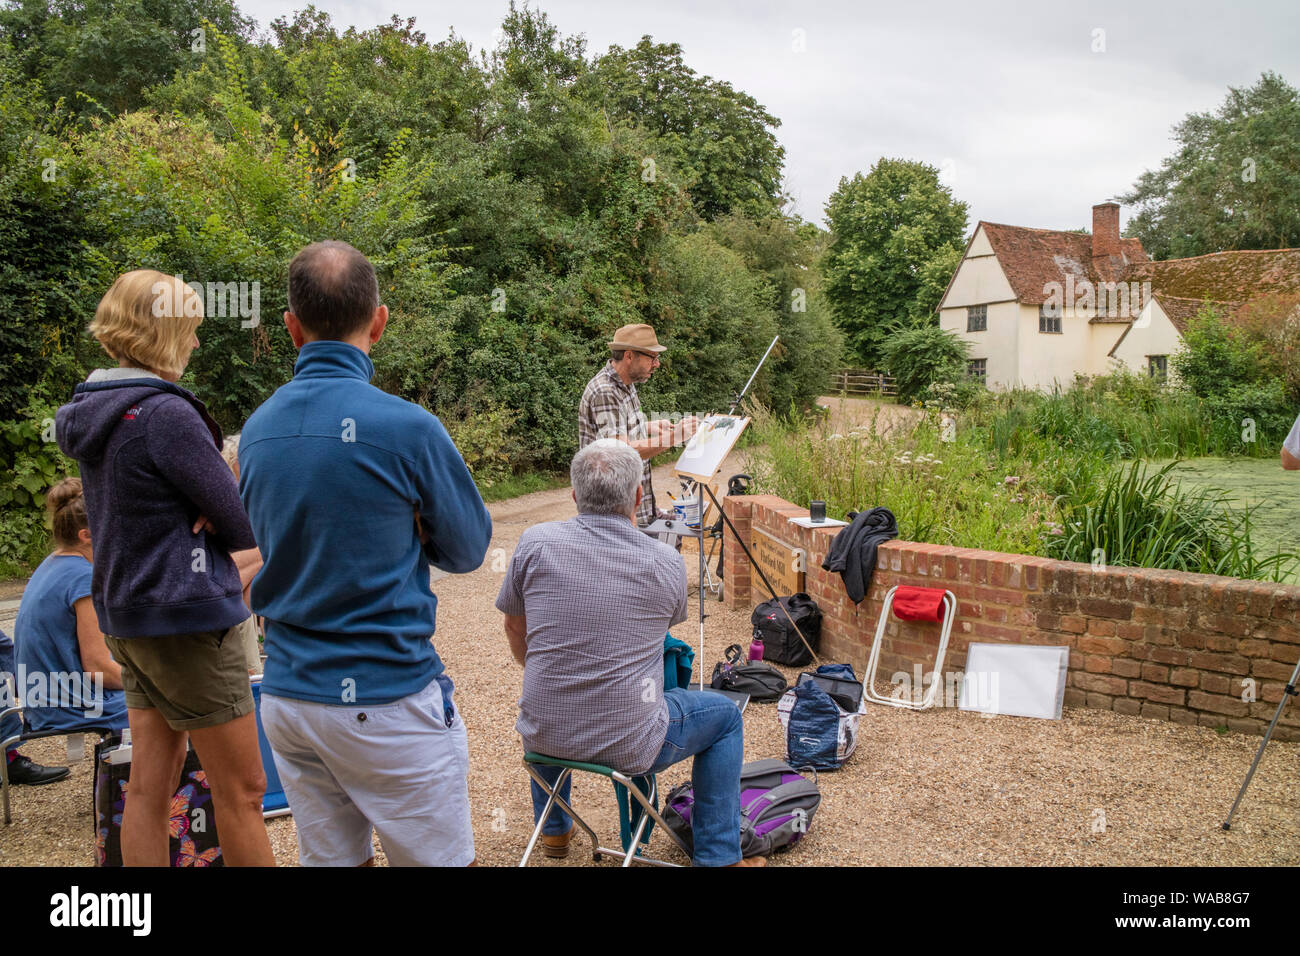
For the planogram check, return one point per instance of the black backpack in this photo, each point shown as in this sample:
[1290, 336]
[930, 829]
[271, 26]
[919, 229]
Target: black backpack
[781, 642]
[762, 682]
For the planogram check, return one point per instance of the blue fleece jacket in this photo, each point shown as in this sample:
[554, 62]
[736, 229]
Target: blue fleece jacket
[150, 459]
[333, 472]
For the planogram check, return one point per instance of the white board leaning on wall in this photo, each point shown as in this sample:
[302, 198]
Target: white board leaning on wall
[1015, 680]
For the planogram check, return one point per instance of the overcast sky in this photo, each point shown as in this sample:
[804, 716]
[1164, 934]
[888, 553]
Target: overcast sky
[1033, 110]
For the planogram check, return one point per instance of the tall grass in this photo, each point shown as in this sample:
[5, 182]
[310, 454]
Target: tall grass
[1126, 416]
[1140, 517]
[1030, 474]
[939, 491]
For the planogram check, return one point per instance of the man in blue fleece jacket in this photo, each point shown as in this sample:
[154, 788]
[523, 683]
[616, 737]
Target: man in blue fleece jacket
[353, 494]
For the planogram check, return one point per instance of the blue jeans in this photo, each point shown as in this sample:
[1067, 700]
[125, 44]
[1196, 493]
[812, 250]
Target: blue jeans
[12, 724]
[708, 727]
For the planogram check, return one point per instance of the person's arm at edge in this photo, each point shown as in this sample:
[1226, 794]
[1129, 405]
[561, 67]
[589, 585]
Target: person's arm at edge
[458, 524]
[1290, 453]
[247, 563]
[95, 658]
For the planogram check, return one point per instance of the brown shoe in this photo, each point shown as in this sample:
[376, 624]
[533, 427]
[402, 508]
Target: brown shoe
[752, 861]
[557, 847]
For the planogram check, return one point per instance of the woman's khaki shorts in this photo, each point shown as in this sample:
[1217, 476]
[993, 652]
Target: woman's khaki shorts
[193, 680]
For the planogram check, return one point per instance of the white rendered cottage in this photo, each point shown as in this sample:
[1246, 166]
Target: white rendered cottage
[1039, 306]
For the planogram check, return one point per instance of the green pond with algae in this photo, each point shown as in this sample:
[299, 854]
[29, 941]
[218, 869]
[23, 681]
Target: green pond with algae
[1261, 482]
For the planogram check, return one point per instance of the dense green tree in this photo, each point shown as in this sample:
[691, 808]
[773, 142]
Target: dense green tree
[510, 218]
[171, 196]
[923, 355]
[786, 253]
[1234, 181]
[42, 226]
[544, 133]
[1215, 356]
[109, 52]
[934, 276]
[722, 139]
[355, 94]
[889, 228]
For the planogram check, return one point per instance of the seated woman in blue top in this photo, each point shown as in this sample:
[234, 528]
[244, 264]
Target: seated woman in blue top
[69, 679]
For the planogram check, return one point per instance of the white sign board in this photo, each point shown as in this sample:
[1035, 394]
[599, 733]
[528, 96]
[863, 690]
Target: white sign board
[1018, 680]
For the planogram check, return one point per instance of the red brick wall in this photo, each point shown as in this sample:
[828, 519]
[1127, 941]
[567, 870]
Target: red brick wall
[1164, 644]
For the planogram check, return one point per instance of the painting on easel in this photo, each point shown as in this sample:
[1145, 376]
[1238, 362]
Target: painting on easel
[710, 446]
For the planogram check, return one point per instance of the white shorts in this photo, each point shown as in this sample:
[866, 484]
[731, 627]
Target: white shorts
[397, 767]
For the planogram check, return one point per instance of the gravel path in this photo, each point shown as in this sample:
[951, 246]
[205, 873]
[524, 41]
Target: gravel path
[939, 787]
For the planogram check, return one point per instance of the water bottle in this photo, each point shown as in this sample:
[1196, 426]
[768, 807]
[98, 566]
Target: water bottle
[756, 648]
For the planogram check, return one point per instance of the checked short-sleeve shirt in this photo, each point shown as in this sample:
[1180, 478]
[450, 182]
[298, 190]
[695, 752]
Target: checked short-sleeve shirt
[611, 409]
[597, 596]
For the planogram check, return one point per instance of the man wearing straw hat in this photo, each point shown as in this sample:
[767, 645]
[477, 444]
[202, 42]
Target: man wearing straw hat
[610, 407]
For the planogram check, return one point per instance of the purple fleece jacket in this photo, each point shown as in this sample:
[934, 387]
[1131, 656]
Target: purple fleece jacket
[150, 465]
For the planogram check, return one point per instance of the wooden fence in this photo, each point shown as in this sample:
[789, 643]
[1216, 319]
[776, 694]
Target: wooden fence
[861, 381]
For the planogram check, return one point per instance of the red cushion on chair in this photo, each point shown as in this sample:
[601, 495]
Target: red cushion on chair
[918, 604]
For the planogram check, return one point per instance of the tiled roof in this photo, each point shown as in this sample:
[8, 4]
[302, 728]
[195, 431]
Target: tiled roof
[1229, 277]
[1180, 310]
[1034, 259]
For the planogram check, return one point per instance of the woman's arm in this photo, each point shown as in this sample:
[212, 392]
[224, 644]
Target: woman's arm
[248, 563]
[183, 450]
[95, 658]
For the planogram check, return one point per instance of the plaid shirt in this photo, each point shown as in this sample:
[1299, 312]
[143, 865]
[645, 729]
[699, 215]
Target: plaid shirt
[611, 409]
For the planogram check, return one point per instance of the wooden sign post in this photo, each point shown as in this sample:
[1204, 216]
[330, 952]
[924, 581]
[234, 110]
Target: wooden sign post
[784, 565]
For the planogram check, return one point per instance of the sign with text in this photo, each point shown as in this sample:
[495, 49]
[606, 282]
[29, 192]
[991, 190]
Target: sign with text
[784, 565]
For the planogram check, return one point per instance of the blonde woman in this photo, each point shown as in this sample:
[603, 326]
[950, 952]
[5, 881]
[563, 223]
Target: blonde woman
[165, 515]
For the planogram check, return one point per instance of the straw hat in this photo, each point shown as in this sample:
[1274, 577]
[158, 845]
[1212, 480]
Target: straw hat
[639, 338]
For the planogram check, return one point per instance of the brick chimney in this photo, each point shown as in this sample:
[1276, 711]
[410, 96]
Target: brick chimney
[1105, 230]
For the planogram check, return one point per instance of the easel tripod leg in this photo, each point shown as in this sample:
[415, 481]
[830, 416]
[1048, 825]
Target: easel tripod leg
[1290, 692]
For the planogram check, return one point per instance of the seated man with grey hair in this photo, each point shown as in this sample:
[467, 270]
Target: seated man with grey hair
[587, 603]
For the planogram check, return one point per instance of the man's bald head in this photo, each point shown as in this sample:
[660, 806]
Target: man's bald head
[332, 290]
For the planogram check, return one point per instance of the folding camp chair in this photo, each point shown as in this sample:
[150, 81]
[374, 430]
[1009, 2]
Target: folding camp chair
[949, 606]
[643, 790]
[20, 738]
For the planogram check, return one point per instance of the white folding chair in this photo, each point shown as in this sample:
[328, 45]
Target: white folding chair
[869, 681]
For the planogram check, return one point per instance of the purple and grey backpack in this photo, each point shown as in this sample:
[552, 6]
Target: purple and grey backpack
[776, 807]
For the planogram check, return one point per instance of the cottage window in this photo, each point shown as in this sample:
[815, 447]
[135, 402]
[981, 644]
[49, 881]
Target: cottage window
[1049, 320]
[977, 318]
[977, 369]
[1158, 367]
